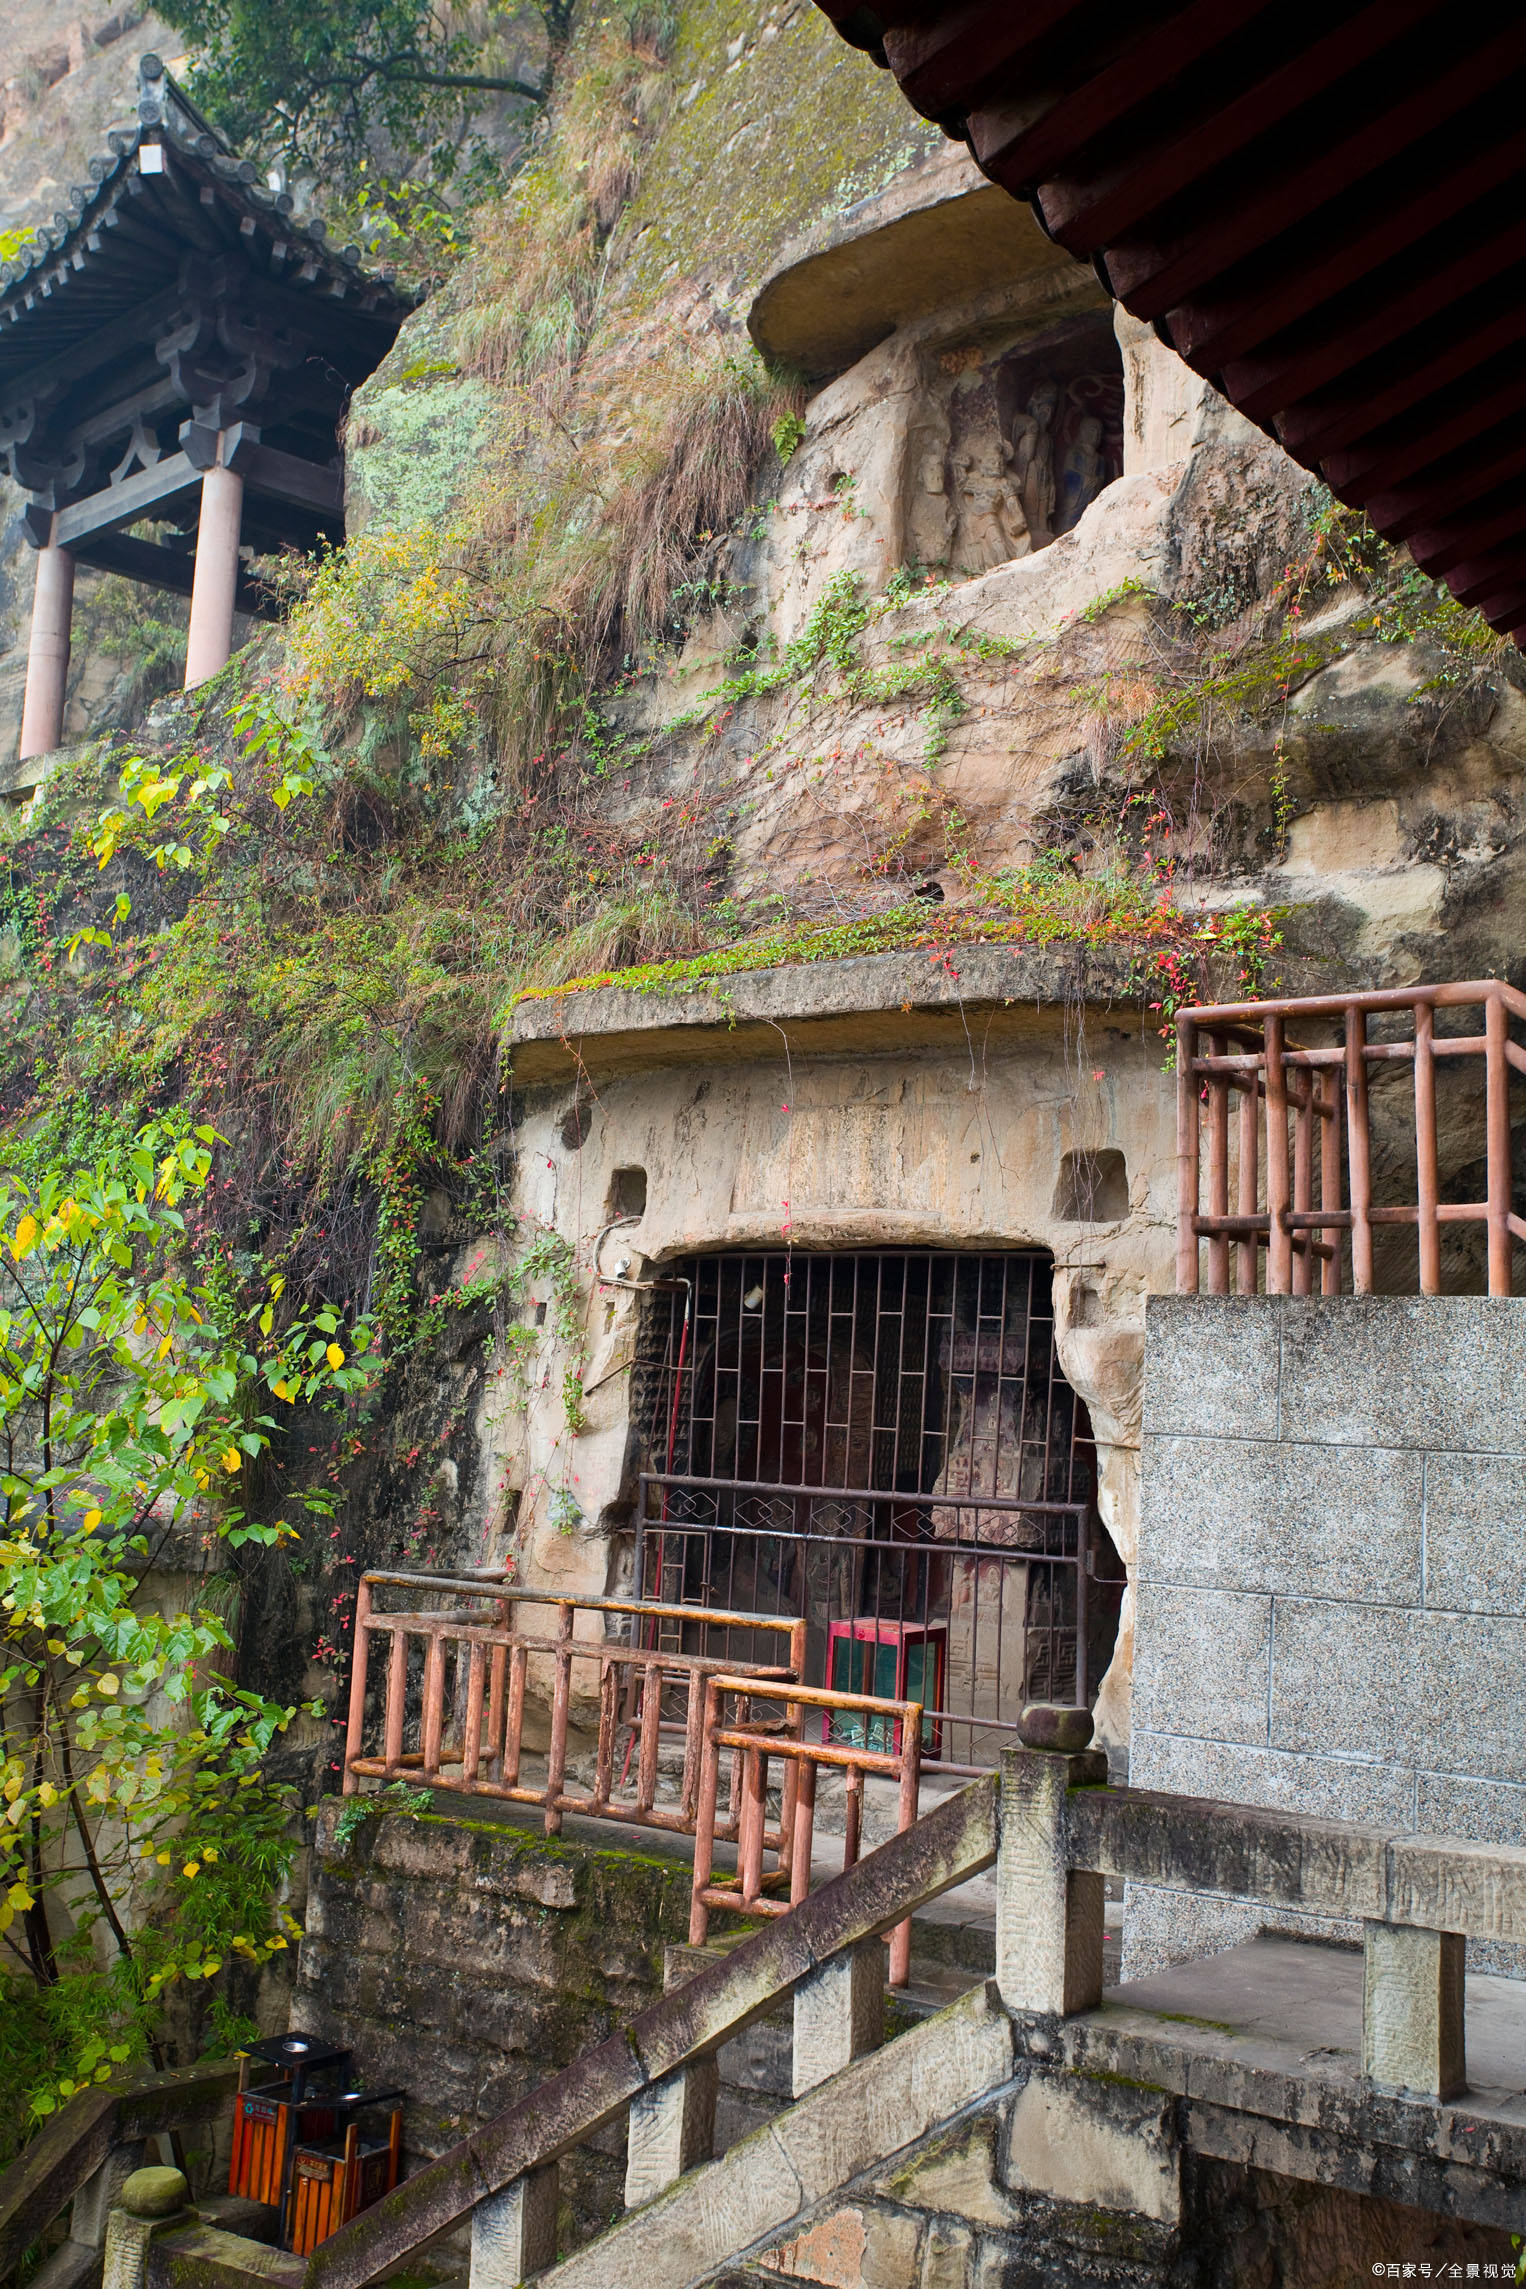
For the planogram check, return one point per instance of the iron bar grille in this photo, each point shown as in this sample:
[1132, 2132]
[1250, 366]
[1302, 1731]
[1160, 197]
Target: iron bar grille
[885, 1443]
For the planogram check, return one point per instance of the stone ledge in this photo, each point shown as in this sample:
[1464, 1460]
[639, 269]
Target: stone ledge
[892, 1002]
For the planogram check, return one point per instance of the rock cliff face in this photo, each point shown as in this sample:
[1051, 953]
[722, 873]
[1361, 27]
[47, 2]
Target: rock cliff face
[1011, 530]
[1018, 622]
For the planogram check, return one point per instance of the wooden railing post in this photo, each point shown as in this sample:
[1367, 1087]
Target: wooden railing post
[1330, 1181]
[1358, 1149]
[1247, 1254]
[1279, 1250]
[704, 1816]
[354, 1738]
[561, 1699]
[1497, 1092]
[1187, 1175]
[397, 1689]
[1426, 1177]
[1218, 1167]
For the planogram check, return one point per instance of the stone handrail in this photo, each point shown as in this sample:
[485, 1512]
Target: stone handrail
[1285, 1859]
[1419, 1900]
[83, 2136]
[1057, 1830]
[502, 2176]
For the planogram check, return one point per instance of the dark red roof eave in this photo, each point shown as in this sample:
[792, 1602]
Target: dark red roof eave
[1320, 212]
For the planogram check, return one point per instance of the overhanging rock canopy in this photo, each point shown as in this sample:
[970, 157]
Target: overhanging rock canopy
[1320, 213]
[176, 318]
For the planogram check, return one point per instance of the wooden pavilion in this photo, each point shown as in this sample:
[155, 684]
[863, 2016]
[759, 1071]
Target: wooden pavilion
[175, 357]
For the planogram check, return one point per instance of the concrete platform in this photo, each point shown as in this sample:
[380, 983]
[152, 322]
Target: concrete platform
[1294, 2007]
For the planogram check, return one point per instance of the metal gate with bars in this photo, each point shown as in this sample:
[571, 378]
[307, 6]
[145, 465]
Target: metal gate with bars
[885, 1444]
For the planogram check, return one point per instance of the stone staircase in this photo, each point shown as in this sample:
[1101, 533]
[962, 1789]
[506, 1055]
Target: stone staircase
[1028, 2131]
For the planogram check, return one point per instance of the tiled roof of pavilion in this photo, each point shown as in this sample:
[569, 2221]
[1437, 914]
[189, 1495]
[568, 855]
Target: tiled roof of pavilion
[168, 186]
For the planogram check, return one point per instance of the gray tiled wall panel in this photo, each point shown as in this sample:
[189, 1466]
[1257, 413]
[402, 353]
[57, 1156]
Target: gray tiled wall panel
[1202, 1655]
[1475, 1532]
[1440, 1691]
[1437, 1372]
[1328, 1788]
[1262, 1514]
[1211, 1366]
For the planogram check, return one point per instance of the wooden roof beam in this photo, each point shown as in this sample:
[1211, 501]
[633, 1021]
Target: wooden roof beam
[1265, 388]
[1084, 212]
[1305, 276]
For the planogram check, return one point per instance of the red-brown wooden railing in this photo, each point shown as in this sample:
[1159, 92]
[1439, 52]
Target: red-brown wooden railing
[1298, 1194]
[466, 1708]
[752, 1742]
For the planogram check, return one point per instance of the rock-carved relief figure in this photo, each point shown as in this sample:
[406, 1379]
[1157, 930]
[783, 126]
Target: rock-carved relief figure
[929, 515]
[992, 526]
[1033, 462]
[1082, 474]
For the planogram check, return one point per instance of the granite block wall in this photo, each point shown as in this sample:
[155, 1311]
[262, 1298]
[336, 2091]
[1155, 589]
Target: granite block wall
[1332, 1576]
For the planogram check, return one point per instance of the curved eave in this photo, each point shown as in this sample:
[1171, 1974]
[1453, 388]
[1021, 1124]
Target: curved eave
[166, 188]
[1320, 214]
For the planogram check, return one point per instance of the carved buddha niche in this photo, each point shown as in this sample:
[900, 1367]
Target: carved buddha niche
[1035, 433]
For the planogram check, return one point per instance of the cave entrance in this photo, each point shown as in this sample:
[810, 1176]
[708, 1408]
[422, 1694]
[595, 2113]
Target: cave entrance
[885, 1443]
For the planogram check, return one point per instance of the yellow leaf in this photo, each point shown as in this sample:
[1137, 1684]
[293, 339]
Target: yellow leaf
[283, 1390]
[231, 1458]
[46, 1794]
[191, 1868]
[334, 1355]
[91, 1520]
[164, 1347]
[24, 1238]
[19, 1897]
[163, 1859]
[107, 1684]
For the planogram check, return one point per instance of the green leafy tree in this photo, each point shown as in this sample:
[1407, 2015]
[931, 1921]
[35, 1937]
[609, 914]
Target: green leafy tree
[139, 1843]
[319, 84]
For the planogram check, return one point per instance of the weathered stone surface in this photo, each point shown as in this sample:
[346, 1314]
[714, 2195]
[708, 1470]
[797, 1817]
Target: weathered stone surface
[1327, 1866]
[1095, 2144]
[1049, 1909]
[687, 2232]
[1257, 1514]
[1450, 1885]
[1066, 1731]
[839, 2014]
[1212, 1365]
[1475, 1552]
[883, 2102]
[1412, 2011]
[155, 2192]
[859, 2246]
[514, 2231]
[201, 2257]
[956, 2172]
[671, 2127]
[1202, 1662]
